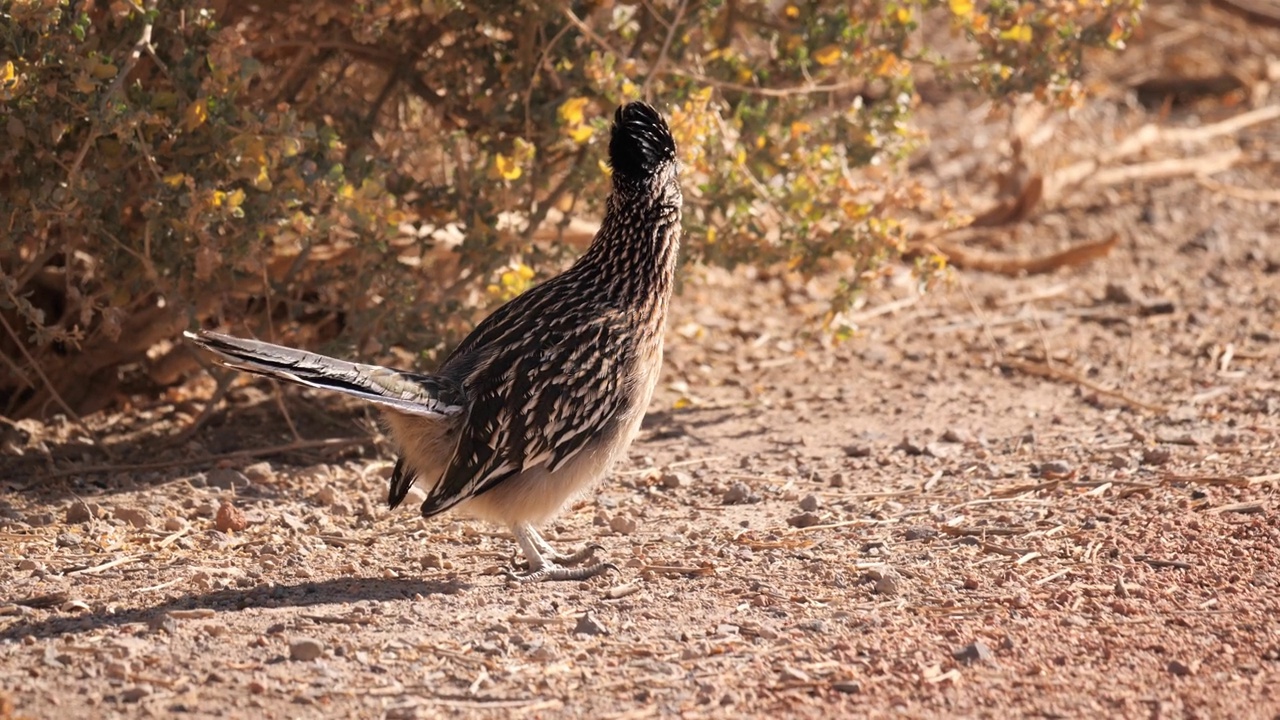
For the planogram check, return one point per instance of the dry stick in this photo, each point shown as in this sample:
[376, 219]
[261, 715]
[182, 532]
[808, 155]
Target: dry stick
[969, 259]
[1172, 167]
[885, 309]
[1039, 369]
[107, 565]
[1242, 193]
[1151, 134]
[666, 47]
[331, 443]
[40, 371]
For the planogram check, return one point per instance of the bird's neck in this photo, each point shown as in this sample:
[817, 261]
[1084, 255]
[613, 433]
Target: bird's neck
[633, 258]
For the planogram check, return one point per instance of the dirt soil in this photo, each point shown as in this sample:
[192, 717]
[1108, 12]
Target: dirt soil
[1044, 496]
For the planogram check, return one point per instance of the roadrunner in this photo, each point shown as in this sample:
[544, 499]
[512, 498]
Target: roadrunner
[548, 391]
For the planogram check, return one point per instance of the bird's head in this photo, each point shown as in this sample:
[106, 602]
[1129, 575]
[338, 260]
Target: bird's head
[642, 154]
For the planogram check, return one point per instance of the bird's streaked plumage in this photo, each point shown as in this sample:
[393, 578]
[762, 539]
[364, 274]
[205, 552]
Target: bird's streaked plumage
[548, 391]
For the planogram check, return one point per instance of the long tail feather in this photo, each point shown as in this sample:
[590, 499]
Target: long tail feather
[411, 393]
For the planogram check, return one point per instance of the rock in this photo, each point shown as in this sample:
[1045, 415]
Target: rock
[976, 651]
[939, 450]
[305, 649]
[260, 472]
[1181, 669]
[589, 625]
[919, 532]
[1056, 470]
[79, 512]
[810, 502]
[1120, 294]
[857, 451]
[910, 446]
[135, 693]
[431, 561]
[68, 540]
[622, 524]
[956, 435]
[804, 520]
[136, 517]
[174, 524]
[1156, 455]
[229, 518]
[849, 687]
[674, 480]
[326, 496]
[226, 479]
[29, 564]
[739, 494]
[885, 579]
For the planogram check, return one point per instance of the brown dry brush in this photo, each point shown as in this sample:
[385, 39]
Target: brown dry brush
[372, 174]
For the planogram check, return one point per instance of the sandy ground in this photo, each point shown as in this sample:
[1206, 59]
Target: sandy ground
[1046, 496]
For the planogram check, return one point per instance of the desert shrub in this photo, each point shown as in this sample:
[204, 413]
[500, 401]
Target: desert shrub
[373, 174]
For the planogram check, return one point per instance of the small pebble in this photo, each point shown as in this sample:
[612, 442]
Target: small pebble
[976, 651]
[259, 472]
[136, 517]
[675, 480]
[226, 479]
[848, 687]
[804, 520]
[1056, 470]
[79, 512]
[589, 625]
[739, 494]
[135, 693]
[910, 446]
[810, 502]
[305, 649]
[1181, 669]
[919, 532]
[1156, 455]
[326, 496]
[68, 540]
[886, 581]
[229, 518]
[623, 524]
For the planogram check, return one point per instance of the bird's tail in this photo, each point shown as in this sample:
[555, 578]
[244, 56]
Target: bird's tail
[406, 392]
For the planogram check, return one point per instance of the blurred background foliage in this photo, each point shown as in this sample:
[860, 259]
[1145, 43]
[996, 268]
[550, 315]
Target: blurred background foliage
[363, 177]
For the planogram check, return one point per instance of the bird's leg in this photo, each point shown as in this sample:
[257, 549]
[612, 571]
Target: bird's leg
[576, 557]
[543, 565]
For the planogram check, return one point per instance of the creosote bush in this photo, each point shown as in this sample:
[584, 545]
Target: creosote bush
[373, 174]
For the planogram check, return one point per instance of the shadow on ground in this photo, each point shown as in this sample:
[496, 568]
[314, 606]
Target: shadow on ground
[323, 592]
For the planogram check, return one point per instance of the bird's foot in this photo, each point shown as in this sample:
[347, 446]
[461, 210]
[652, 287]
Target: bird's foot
[577, 557]
[554, 571]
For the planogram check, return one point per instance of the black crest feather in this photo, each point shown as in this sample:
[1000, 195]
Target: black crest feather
[641, 142]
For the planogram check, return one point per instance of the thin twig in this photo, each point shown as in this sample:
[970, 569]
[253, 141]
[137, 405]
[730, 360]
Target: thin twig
[53, 392]
[666, 47]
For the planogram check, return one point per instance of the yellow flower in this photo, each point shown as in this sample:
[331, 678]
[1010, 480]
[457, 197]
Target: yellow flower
[1020, 34]
[828, 55]
[793, 12]
[580, 133]
[507, 167]
[961, 8]
[571, 111]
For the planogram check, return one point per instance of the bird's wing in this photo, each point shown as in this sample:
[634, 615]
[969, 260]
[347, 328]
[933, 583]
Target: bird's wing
[537, 399]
